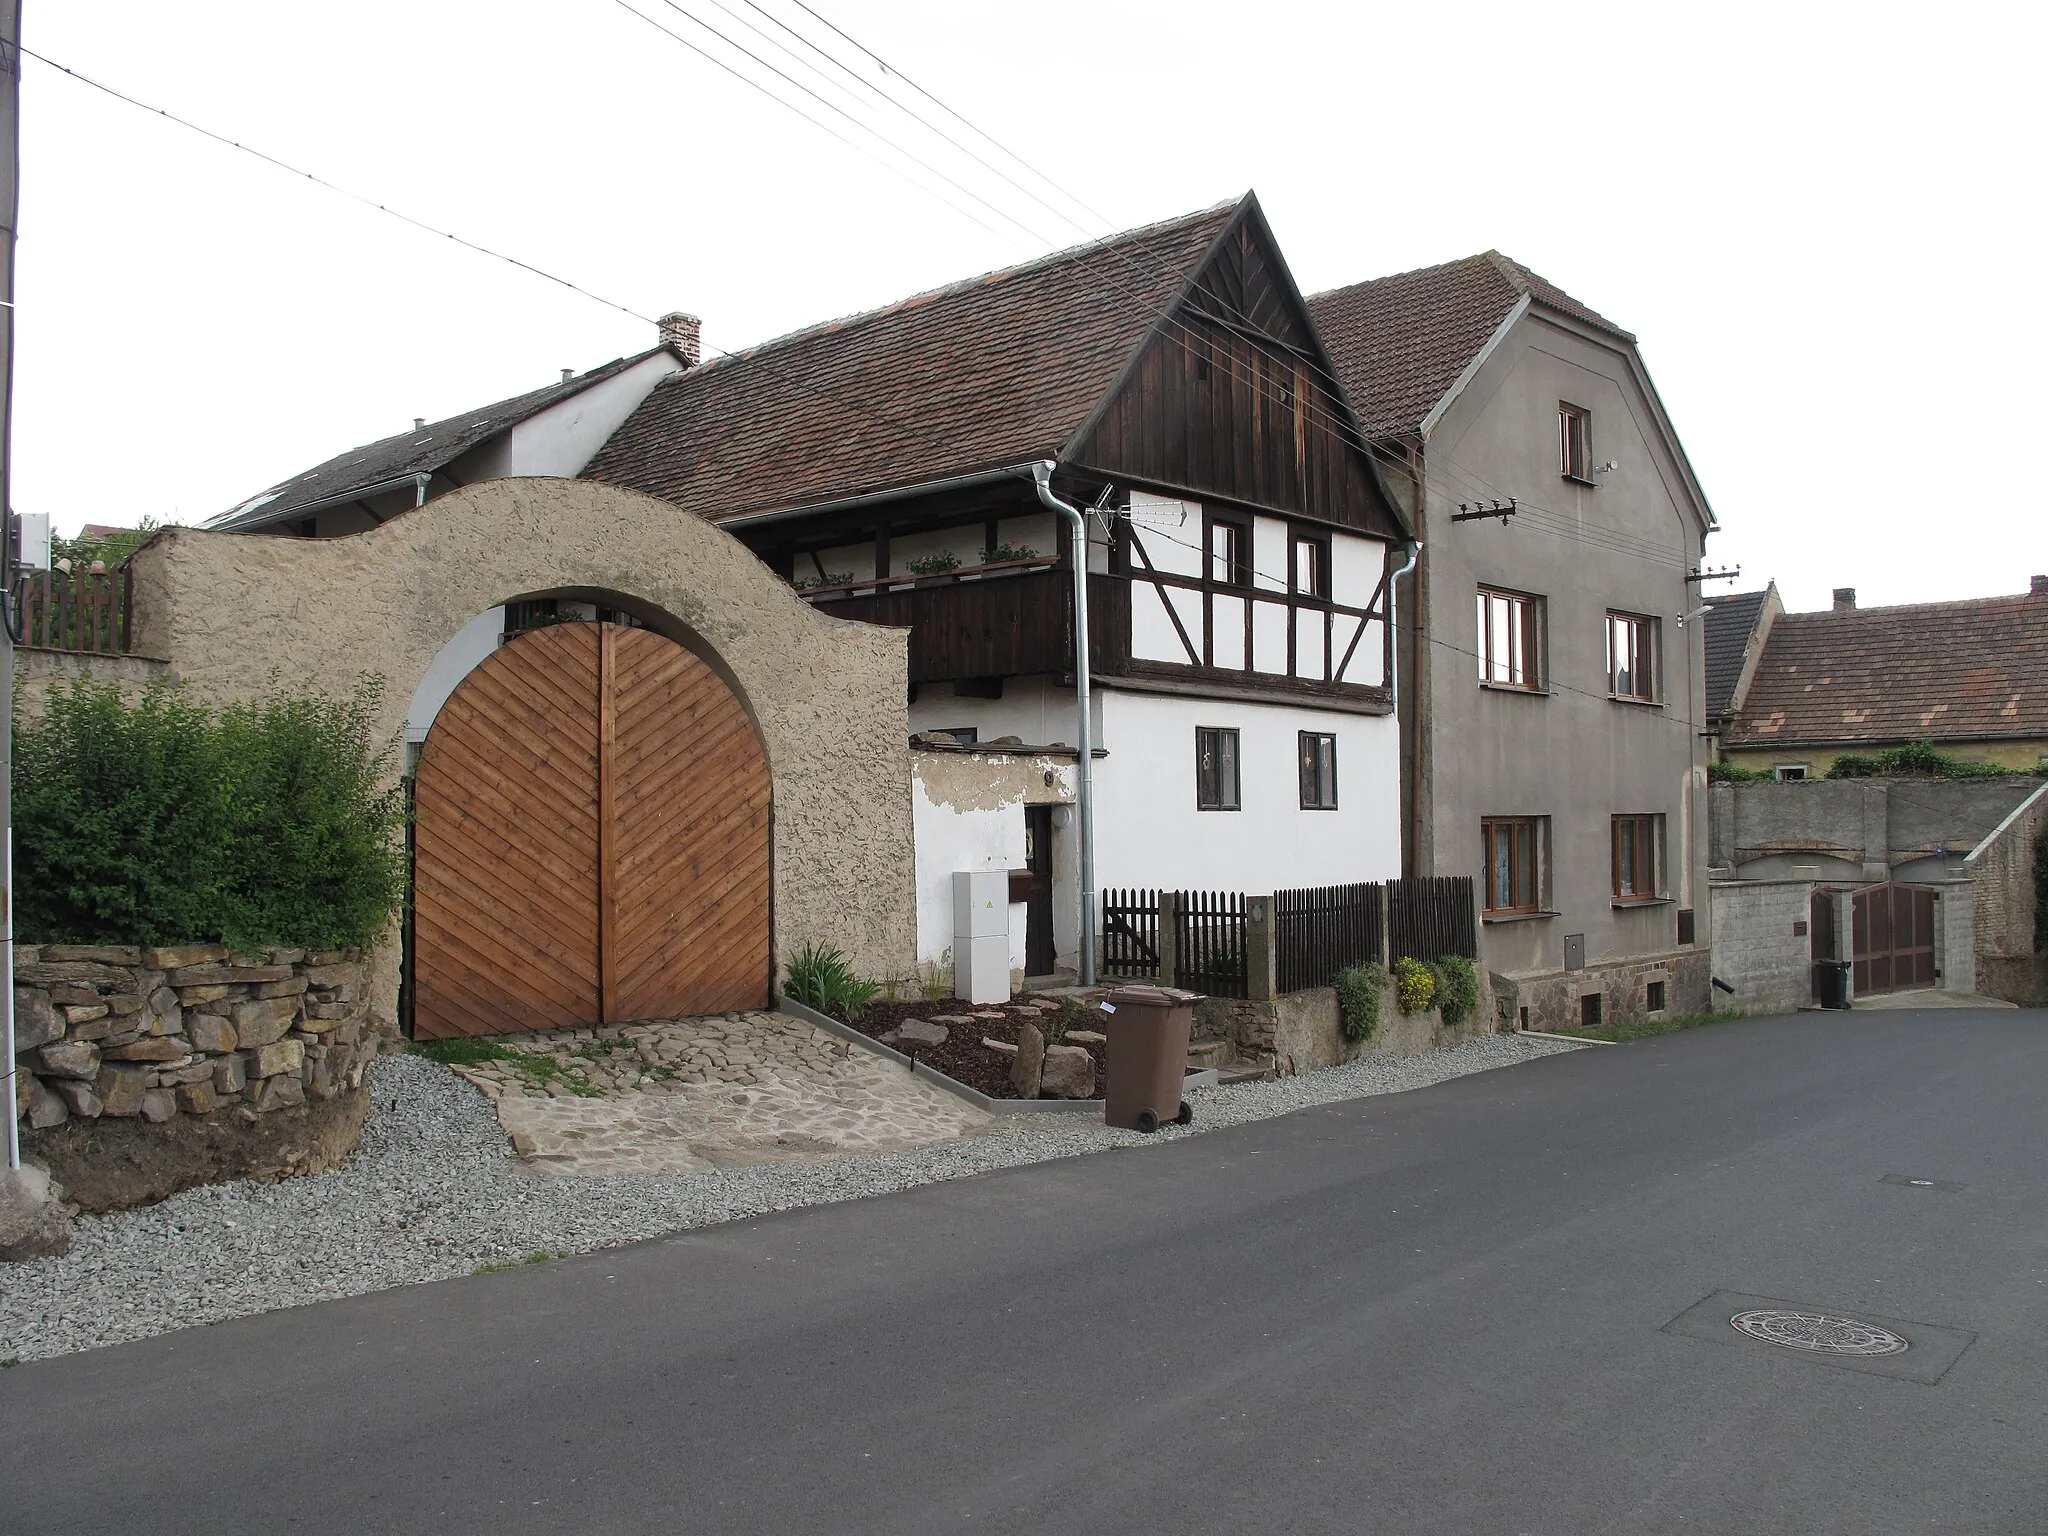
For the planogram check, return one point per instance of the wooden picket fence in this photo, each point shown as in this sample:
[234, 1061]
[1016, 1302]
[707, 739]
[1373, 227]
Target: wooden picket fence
[1432, 916]
[1321, 930]
[1209, 951]
[86, 611]
[1130, 933]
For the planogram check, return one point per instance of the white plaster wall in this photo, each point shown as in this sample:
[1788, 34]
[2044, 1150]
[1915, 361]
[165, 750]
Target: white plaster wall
[470, 647]
[951, 838]
[1035, 710]
[1148, 832]
[563, 438]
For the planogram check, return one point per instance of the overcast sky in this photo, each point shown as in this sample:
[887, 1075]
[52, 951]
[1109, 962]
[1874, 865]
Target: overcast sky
[1822, 220]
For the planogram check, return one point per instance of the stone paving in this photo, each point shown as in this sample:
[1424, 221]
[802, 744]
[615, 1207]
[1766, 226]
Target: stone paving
[691, 1095]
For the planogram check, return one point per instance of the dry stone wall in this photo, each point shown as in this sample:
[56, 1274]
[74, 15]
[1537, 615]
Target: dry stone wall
[117, 1032]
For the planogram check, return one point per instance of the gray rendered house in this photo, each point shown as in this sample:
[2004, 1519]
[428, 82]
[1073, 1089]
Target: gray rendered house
[1552, 666]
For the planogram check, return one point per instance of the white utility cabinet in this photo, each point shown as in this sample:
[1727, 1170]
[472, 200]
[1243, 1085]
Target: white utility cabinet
[981, 935]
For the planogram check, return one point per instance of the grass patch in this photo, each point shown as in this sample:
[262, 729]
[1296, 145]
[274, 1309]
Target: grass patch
[537, 1067]
[499, 1266]
[1646, 1029]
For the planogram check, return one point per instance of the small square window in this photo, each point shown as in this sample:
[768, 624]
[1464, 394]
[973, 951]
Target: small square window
[1589, 1011]
[1653, 998]
[1574, 441]
[1632, 657]
[1311, 565]
[1510, 645]
[1230, 552]
[1789, 773]
[1318, 771]
[1516, 850]
[1215, 769]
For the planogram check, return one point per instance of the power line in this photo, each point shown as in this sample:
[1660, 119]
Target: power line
[321, 181]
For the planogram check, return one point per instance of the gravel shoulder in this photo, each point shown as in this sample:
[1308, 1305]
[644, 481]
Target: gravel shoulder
[436, 1191]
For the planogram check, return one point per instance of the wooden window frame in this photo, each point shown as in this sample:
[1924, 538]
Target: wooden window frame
[1209, 788]
[1791, 773]
[1646, 836]
[1537, 852]
[1575, 442]
[1528, 632]
[1311, 770]
[1648, 657]
[1240, 577]
[1297, 540]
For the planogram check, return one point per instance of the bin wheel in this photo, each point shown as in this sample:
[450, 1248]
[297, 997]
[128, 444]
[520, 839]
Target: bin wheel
[1186, 1115]
[1148, 1121]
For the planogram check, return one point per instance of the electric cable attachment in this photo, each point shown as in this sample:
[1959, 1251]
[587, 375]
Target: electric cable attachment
[1473, 511]
[1728, 575]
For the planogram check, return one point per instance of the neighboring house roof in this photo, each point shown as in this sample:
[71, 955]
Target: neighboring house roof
[1932, 671]
[1729, 623]
[425, 450]
[994, 371]
[1401, 342]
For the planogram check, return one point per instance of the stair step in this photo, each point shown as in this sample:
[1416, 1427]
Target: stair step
[1208, 1053]
[1245, 1072]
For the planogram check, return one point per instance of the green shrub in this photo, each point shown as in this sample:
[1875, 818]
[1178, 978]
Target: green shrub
[1414, 987]
[1359, 990]
[1008, 551]
[935, 565]
[1730, 773]
[1916, 759]
[823, 579]
[161, 822]
[819, 977]
[1457, 987]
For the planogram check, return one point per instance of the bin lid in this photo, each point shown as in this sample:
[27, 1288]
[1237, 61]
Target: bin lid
[1157, 997]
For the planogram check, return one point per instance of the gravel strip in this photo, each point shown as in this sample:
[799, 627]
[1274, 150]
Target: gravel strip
[435, 1192]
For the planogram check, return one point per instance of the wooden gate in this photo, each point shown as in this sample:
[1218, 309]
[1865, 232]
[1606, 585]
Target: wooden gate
[1891, 938]
[591, 840]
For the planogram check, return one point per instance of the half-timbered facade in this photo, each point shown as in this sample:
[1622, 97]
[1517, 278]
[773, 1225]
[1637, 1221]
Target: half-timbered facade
[1239, 550]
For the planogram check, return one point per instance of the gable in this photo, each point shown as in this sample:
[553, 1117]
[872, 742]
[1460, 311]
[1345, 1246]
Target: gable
[1232, 396]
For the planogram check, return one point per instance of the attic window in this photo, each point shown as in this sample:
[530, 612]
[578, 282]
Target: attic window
[1574, 441]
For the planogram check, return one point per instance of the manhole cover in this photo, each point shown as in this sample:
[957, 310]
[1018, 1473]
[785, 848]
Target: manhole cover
[1818, 1332]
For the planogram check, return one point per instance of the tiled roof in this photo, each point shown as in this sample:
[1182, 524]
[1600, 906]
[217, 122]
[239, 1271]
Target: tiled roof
[425, 450]
[993, 371]
[1730, 622]
[1933, 671]
[1400, 342]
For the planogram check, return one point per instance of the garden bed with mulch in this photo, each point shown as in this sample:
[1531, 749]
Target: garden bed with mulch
[961, 1055]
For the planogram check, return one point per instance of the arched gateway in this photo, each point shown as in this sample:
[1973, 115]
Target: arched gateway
[591, 840]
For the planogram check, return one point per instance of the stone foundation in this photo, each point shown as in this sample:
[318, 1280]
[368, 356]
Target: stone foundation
[1303, 1031]
[1553, 1000]
[181, 1065]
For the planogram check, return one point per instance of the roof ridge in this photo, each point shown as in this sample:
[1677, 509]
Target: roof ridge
[1947, 602]
[1388, 277]
[964, 285]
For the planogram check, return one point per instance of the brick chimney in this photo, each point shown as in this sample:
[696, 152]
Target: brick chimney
[683, 335]
[2038, 586]
[1845, 599]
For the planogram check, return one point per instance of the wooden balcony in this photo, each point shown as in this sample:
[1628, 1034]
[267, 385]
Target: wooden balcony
[998, 624]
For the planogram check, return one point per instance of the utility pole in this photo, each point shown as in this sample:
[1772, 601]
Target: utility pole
[10, 206]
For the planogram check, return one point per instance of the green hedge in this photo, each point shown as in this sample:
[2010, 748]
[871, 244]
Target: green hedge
[163, 822]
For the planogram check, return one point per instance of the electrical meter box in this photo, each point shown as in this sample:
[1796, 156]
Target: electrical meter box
[981, 935]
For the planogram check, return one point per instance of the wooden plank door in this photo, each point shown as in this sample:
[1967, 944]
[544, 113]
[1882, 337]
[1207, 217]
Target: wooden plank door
[505, 839]
[686, 803]
[1893, 938]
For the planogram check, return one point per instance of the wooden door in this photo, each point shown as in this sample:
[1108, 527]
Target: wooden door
[1892, 938]
[591, 840]
[505, 844]
[1039, 958]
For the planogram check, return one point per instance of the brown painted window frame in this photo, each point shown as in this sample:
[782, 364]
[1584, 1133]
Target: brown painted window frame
[1310, 770]
[1651, 632]
[1298, 539]
[1209, 787]
[1538, 853]
[1647, 831]
[1240, 577]
[1531, 634]
[1575, 442]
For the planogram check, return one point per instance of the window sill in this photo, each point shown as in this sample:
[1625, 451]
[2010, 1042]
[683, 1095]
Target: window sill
[1487, 919]
[1591, 485]
[1621, 902]
[1527, 692]
[1622, 698]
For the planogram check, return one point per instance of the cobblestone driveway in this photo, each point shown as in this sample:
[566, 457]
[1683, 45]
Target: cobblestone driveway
[696, 1094]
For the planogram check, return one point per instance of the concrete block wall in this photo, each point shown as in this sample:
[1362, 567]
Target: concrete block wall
[1758, 948]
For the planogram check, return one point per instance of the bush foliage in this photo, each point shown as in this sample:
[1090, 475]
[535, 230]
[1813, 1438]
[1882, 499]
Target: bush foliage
[163, 822]
[1359, 990]
[819, 977]
[1457, 987]
[1414, 986]
[1918, 759]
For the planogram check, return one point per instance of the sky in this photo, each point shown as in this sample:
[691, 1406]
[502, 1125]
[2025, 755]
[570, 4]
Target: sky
[1820, 219]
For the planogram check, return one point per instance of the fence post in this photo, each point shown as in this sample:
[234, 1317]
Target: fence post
[1169, 938]
[1261, 957]
[1384, 895]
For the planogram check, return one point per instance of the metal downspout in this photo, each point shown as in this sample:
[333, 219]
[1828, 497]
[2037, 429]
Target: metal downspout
[1411, 811]
[1077, 523]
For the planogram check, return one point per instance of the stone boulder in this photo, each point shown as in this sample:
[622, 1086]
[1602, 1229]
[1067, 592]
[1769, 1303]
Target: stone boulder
[1068, 1073]
[1029, 1062]
[922, 1032]
[36, 1021]
[33, 1221]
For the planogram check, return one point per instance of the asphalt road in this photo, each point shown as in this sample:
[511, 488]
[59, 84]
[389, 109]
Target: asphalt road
[1437, 1311]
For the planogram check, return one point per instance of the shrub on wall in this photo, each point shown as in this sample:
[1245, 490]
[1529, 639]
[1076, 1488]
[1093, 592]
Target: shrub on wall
[1731, 773]
[1457, 987]
[1917, 759]
[163, 822]
[1414, 987]
[1359, 990]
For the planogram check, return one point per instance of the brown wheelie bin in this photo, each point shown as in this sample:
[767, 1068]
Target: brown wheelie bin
[1147, 1056]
